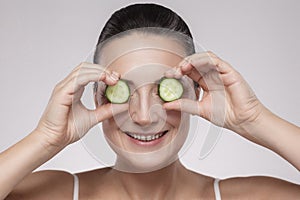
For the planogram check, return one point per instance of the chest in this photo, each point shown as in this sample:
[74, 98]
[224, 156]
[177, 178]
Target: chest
[190, 193]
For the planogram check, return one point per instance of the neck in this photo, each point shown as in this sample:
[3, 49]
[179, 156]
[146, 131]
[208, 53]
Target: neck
[158, 184]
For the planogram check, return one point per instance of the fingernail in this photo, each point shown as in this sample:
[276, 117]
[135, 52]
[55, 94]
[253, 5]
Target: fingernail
[114, 76]
[178, 70]
[184, 63]
[166, 105]
[178, 73]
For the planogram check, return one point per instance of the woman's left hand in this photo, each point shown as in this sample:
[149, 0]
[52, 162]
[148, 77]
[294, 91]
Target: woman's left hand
[227, 100]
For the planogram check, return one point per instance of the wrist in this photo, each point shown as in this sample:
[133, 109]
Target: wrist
[48, 141]
[254, 127]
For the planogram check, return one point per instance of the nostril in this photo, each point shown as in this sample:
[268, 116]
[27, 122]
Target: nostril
[142, 117]
[143, 122]
[145, 106]
[150, 115]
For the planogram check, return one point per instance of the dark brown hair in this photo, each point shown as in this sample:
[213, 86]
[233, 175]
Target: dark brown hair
[146, 18]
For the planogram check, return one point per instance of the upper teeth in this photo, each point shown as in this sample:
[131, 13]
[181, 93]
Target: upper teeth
[145, 138]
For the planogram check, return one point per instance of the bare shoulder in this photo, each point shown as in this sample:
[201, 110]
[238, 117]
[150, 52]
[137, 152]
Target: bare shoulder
[258, 187]
[44, 184]
[96, 182]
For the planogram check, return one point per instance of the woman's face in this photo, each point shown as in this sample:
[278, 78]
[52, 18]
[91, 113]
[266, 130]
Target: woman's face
[142, 61]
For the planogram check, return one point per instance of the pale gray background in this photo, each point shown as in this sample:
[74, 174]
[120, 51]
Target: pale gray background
[42, 41]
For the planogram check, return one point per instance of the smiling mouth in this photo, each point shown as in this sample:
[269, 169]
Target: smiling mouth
[146, 138]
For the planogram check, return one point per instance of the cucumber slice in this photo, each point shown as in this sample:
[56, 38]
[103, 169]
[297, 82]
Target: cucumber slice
[170, 89]
[118, 93]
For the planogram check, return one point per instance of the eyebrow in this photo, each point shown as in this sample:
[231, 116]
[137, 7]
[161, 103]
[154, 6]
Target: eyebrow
[132, 83]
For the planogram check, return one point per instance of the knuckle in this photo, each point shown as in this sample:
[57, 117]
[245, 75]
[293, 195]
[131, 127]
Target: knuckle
[74, 80]
[236, 76]
[77, 67]
[210, 53]
[214, 59]
[213, 56]
[74, 73]
[58, 86]
[223, 63]
[82, 64]
[189, 59]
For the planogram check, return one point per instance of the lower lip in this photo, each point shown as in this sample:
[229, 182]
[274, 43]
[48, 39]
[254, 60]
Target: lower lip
[149, 143]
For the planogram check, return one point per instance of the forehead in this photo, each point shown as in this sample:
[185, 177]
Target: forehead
[147, 51]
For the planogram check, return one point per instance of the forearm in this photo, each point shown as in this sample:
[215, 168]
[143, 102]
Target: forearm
[21, 159]
[277, 135]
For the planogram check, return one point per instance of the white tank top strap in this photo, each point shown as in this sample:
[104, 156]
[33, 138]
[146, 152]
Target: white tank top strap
[76, 187]
[217, 189]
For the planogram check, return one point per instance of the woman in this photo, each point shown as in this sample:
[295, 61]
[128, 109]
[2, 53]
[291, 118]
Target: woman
[128, 50]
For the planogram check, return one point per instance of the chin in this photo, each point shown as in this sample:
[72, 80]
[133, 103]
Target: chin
[144, 162]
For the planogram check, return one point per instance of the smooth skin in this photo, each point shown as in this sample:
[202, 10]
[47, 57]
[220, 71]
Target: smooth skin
[244, 114]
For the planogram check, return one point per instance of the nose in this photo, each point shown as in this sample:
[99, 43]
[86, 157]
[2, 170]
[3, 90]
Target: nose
[141, 104]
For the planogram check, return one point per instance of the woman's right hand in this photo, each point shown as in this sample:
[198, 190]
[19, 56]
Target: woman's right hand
[66, 119]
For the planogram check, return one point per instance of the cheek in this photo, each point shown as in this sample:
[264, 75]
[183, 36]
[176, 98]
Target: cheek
[174, 118]
[109, 126]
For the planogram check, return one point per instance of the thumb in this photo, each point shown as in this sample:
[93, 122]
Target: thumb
[106, 111]
[185, 105]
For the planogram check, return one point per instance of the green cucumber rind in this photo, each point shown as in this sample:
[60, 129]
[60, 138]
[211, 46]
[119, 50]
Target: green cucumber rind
[160, 93]
[112, 100]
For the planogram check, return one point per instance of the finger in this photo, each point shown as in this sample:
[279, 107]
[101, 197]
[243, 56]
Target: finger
[196, 66]
[212, 81]
[111, 78]
[175, 72]
[185, 105]
[207, 70]
[85, 68]
[80, 81]
[106, 111]
[87, 76]
[204, 62]
[88, 65]
[185, 67]
[196, 77]
[217, 72]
